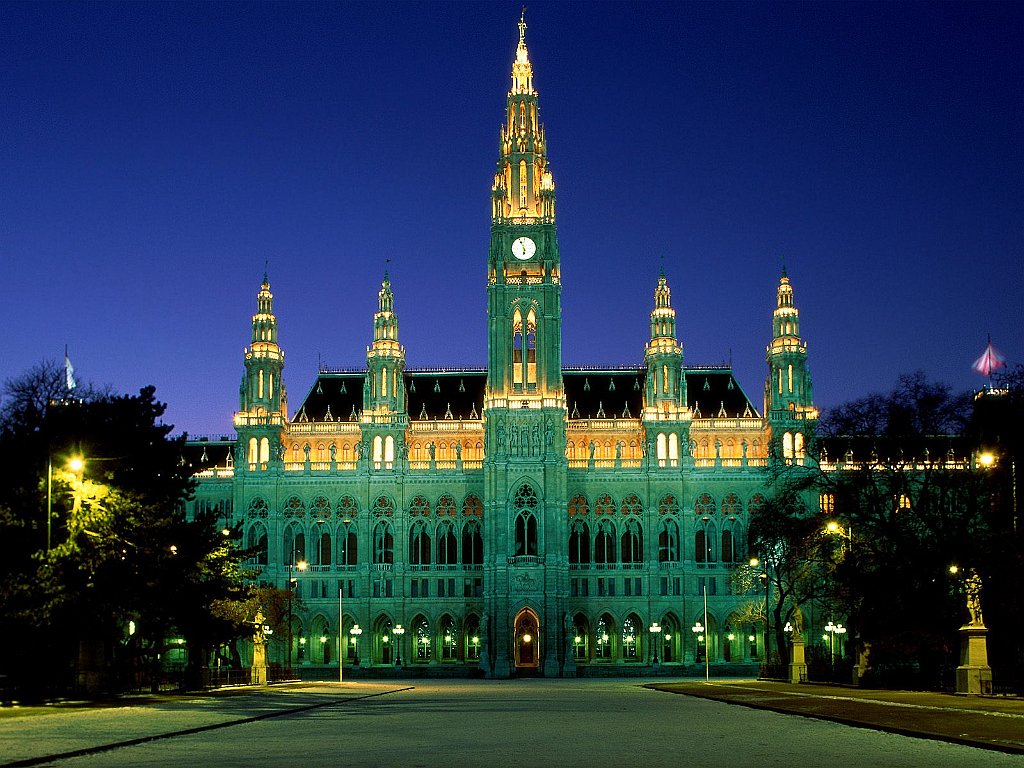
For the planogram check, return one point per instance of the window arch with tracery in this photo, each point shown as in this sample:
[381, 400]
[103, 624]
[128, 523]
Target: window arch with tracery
[526, 506]
[704, 505]
[294, 507]
[320, 508]
[347, 508]
[732, 506]
[419, 506]
[668, 505]
[473, 507]
[383, 507]
[446, 506]
[605, 505]
[631, 505]
[757, 504]
[579, 506]
[258, 508]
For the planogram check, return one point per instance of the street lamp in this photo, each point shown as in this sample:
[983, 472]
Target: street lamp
[398, 631]
[832, 630]
[763, 576]
[655, 631]
[698, 631]
[356, 631]
[292, 582]
[75, 464]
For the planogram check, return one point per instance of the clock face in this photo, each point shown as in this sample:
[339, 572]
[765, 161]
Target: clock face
[523, 248]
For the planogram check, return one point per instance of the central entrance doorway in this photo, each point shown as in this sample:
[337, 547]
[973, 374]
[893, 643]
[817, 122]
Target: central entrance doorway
[527, 640]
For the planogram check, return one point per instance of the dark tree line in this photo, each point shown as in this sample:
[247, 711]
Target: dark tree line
[94, 602]
[901, 475]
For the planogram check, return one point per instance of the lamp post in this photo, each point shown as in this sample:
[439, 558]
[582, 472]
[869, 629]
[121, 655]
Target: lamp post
[763, 576]
[832, 630]
[356, 631]
[655, 631]
[292, 582]
[398, 631]
[698, 631]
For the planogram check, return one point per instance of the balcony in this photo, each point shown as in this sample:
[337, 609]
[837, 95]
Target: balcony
[526, 560]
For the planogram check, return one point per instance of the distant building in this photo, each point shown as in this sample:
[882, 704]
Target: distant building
[525, 518]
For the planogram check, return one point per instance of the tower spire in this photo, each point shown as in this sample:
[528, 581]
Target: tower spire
[666, 384]
[523, 189]
[788, 397]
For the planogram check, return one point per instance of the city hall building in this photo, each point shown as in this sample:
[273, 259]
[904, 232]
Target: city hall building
[526, 518]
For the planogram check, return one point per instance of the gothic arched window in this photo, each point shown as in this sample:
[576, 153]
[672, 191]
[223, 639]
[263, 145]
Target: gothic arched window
[579, 543]
[472, 544]
[447, 544]
[383, 544]
[632, 543]
[419, 544]
[668, 541]
[604, 544]
[526, 507]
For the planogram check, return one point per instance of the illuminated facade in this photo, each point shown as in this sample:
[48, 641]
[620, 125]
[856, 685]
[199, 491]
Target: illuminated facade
[523, 518]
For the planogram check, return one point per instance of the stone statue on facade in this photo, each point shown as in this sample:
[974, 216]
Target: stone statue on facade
[333, 450]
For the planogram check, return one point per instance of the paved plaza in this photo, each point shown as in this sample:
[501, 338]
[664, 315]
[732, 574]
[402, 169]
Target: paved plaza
[460, 722]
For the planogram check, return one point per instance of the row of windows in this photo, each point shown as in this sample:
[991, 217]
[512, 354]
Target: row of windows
[444, 545]
[320, 508]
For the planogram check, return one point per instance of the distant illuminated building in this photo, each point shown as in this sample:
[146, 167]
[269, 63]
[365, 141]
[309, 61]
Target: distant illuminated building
[523, 518]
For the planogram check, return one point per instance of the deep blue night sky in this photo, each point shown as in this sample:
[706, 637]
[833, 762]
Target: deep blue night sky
[153, 156]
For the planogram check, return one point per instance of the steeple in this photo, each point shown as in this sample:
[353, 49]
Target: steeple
[264, 359]
[384, 388]
[523, 188]
[263, 401]
[524, 288]
[788, 398]
[666, 384]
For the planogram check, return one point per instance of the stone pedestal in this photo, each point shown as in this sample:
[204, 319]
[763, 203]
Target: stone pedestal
[259, 663]
[974, 675]
[797, 661]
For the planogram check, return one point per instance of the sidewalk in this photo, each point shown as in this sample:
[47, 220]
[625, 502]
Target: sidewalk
[989, 722]
[35, 735]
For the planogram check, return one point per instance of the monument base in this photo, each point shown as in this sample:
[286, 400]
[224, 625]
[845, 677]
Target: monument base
[974, 675]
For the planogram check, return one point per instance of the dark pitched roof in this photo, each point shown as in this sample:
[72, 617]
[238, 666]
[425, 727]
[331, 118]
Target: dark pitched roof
[445, 394]
[431, 394]
[339, 393]
[604, 394]
[459, 394]
[203, 452]
[712, 392]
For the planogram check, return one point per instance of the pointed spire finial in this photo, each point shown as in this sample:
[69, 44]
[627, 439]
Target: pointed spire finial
[522, 27]
[266, 271]
[782, 258]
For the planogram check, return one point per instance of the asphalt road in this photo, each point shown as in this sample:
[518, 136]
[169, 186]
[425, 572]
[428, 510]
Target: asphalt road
[477, 723]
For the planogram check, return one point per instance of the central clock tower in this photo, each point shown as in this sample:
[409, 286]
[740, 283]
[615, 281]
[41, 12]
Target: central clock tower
[525, 469]
[523, 275]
